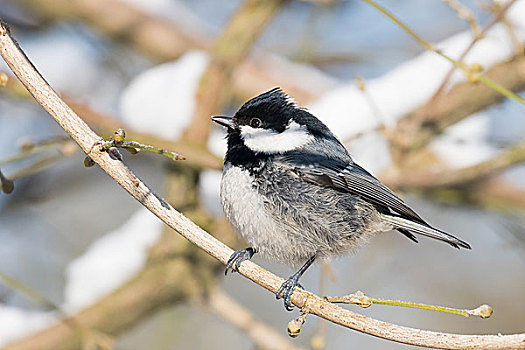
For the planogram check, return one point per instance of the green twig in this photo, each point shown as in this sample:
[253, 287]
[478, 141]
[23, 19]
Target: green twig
[139, 146]
[15, 284]
[133, 147]
[359, 298]
[470, 71]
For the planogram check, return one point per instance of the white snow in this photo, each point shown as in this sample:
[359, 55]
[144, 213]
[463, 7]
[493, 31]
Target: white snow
[161, 100]
[209, 189]
[111, 260]
[16, 322]
[106, 265]
[347, 112]
[464, 144]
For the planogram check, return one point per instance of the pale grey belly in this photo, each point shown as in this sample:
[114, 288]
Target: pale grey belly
[289, 223]
[246, 210]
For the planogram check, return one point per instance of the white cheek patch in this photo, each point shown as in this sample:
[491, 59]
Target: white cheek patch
[270, 141]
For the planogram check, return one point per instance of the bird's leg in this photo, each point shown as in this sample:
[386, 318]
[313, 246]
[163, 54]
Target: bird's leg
[238, 257]
[288, 286]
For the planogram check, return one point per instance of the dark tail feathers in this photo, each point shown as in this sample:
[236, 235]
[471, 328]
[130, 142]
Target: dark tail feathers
[408, 227]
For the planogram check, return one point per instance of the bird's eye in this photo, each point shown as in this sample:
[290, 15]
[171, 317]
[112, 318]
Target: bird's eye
[255, 122]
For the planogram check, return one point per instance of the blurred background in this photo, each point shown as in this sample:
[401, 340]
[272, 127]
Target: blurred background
[73, 242]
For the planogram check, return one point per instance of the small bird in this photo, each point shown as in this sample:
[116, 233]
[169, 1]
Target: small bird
[292, 191]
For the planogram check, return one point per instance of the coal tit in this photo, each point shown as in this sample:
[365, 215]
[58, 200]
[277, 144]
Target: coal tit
[291, 190]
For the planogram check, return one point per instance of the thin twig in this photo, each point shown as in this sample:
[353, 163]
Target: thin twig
[417, 128]
[500, 14]
[197, 156]
[359, 298]
[86, 139]
[470, 71]
[263, 335]
[67, 320]
[31, 149]
[465, 13]
[118, 140]
[15, 284]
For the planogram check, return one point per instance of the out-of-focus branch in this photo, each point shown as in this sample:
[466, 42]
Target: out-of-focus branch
[473, 72]
[197, 155]
[227, 53]
[29, 149]
[200, 157]
[498, 194]
[156, 286]
[264, 336]
[308, 302]
[416, 129]
[477, 37]
[117, 18]
[459, 177]
[166, 41]
[465, 13]
[182, 271]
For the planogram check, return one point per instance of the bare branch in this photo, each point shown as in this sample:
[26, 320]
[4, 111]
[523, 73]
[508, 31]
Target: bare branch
[264, 336]
[165, 41]
[229, 51]
[416, 129]
[116, 19]
[473, 72]
[465, 13]
[87, 140]
[477, 37]
[459, 177]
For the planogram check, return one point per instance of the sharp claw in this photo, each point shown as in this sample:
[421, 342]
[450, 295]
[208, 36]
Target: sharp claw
[237, 258]
[286, 290]
[280, 291]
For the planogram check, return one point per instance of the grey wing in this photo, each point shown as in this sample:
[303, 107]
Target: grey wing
[351, 178]
[354, 179]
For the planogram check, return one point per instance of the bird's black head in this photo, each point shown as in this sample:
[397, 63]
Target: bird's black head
[272, 110]
[272, 123]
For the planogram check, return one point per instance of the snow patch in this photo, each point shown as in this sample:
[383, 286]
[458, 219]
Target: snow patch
[161, 100]
[347, 112]
[464, 144]
[17, 322]
[111, 260]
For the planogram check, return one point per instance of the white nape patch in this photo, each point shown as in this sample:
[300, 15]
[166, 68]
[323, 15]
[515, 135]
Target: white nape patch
[270, 141]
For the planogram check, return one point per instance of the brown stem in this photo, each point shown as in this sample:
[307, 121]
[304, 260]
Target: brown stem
[264, 336]
[241, 33]
[461, 177]
[416, 129]
[477, 37]
[166, 41]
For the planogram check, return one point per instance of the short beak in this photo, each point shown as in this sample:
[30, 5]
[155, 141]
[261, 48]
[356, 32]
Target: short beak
[224, 121]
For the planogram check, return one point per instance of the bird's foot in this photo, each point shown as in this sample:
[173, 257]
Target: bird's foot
[237, 258]
[286, 290]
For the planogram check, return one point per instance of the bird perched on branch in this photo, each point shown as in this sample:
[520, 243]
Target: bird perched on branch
[291, 190]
